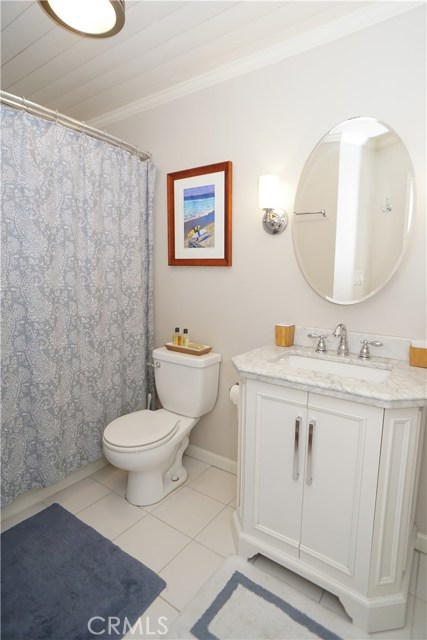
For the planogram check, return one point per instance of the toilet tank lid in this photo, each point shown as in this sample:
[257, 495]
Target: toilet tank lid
[186, 359]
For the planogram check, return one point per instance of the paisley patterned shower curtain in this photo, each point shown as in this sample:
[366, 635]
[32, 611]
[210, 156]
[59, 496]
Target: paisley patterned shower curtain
[77, 279]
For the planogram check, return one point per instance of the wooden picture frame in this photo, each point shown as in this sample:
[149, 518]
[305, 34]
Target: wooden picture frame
[199, 216]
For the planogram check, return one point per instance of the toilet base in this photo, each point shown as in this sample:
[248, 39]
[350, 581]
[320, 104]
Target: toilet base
[144, 489]
[148, 487]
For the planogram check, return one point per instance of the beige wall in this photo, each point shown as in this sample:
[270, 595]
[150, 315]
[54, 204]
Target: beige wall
[268, 121]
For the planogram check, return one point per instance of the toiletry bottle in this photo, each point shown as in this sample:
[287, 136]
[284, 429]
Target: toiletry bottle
[185, 338]
[176, 338]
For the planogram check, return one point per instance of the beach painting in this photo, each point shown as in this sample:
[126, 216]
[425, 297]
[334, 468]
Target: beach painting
[199, 216]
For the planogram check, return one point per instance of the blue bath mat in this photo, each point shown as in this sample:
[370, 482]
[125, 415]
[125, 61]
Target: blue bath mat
[62, 580]
[242, 601]
[290, 622]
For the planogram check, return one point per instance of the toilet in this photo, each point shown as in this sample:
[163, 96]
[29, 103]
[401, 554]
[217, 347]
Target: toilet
[150, 444]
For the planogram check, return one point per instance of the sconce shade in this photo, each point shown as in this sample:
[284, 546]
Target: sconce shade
[94, 18]
[268, 192]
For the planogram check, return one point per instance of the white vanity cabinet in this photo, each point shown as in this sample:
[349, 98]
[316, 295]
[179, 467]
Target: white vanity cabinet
[327, 488]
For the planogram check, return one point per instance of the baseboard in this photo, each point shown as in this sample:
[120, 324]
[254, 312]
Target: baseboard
[421, 542]
[226, 464]
[30, 498]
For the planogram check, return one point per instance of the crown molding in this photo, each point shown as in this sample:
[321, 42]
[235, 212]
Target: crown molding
[362, 19]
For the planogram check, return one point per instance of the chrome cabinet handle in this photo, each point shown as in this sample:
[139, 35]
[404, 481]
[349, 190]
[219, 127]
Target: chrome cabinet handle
[308, 476]
[295, 474]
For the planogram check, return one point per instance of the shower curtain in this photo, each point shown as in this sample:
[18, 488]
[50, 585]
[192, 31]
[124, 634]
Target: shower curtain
[77, 284]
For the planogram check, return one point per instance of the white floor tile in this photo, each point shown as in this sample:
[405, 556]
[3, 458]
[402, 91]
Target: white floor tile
[217, 484]
[111, 515]
[7, 523]
[113, 478]
[152, 542]
[150, 508]
[186, 573]
[217, 535]
[154, 622]
[194, 467]
[79, 495]
[188, 511]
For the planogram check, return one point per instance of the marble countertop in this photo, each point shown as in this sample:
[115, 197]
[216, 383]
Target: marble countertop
[405, 386]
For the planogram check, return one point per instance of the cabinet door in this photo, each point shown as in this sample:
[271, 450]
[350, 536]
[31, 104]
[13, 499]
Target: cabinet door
[343, 449]
[274, 450]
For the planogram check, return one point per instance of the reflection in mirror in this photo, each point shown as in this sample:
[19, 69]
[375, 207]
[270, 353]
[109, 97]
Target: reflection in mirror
[354, 210]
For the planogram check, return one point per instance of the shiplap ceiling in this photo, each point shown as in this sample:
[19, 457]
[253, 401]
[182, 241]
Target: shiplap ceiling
[166, 49]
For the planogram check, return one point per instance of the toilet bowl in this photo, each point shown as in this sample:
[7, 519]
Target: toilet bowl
[150, 444]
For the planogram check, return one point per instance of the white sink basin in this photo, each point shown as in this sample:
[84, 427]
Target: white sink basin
[344, 369]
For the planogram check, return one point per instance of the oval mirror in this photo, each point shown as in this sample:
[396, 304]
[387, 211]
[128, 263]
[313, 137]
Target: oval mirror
[354, 210]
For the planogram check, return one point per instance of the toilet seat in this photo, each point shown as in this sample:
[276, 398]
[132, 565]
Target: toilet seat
[141, 430]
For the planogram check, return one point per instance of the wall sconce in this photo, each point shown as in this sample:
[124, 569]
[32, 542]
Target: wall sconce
[268, 198]
[93, 18]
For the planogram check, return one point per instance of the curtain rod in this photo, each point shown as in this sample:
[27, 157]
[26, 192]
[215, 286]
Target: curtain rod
[35, 109]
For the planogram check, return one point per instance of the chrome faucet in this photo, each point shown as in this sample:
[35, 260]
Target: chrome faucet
[341, 332]
[321, 345]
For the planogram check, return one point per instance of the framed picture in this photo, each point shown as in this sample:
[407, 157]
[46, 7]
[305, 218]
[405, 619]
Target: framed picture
[199, 216]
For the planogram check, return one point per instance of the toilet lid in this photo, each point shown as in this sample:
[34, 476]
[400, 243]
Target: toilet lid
[141, 428]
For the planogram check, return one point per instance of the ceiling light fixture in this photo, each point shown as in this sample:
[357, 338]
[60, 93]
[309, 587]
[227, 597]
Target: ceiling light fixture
[93, 18]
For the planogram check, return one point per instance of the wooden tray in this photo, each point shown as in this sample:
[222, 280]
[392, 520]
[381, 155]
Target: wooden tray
[196, 350]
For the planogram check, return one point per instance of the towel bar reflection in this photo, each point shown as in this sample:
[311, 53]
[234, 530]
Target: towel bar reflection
[323, 212]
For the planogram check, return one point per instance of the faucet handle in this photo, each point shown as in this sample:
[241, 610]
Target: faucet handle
[321, 345]
[364, 351]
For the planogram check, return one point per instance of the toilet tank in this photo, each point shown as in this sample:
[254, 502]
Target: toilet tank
[186, 384]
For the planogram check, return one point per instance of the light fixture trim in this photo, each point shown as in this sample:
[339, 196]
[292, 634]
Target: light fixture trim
[274, 220]
[118, 7]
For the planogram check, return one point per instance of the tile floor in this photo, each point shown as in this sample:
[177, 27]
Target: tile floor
[186, 537]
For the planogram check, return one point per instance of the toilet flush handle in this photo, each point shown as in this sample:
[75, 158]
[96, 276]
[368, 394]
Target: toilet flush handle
[155, 365]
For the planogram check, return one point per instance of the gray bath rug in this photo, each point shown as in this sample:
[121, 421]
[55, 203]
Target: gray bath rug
[62, 580]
